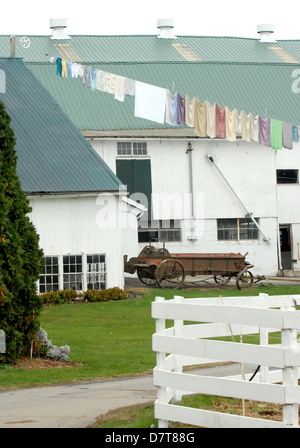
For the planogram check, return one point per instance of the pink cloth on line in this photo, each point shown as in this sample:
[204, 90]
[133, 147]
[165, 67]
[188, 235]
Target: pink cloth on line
[180, 109]
[220, 122]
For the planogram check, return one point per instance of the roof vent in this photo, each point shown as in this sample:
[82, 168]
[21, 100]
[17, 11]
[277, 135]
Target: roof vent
[265, 32]
[165, 27]
[58, 29]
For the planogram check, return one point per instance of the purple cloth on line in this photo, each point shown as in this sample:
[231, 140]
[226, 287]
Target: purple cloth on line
[264, 131]
[180, 109]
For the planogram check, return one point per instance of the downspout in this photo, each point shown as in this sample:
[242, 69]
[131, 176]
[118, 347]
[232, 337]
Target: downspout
[248, 214]
[278, 231]
[189, 152]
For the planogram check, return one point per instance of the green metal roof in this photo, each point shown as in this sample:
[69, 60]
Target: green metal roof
[240, 73]
[129, 49]
[53, 156]
[261, 89]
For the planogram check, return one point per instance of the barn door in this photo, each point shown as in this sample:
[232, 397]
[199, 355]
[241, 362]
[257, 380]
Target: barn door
[136, 174]
[285, 246]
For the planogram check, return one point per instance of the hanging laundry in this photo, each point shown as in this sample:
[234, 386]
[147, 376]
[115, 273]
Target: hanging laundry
[59, 67]
[86, 76]
[69, 69]
[254, 128]
[74, 69]
[129, 87]
[180, 109]
[275, 134]
[200, 118]
[220, 122]
[92, 79]
[211, 119]
[190, 111]
[110, 83]
[230, 124]
[295, 134]
[239, 123]
[100, 80]
[287, 135]
[150, 102]
[80, 70]
[171, 109]
[120, 88]
[64, 68]
[246, 127]
[264, 131]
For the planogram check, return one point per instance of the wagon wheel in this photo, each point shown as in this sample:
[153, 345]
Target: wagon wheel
[146, 277]
[169, 274]
[222, 279]
[244, 279]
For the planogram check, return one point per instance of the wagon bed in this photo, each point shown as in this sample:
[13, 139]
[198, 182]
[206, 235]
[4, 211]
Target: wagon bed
[168, 270]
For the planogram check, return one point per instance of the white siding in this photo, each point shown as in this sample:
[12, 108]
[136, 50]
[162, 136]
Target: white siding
[84, 225]
[250, 169]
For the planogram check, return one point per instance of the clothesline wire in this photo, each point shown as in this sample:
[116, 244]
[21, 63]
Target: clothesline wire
[225, 123]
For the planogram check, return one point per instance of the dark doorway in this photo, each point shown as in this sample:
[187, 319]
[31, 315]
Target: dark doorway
[285, 246]
[136, 174]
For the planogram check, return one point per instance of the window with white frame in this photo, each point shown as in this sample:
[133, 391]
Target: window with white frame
[49, 278]
[132, 148]
[96, 272]
[237, 229]
[160, 231]
[72, 272]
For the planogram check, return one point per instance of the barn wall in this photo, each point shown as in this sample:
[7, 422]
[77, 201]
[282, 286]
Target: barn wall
[250, 169]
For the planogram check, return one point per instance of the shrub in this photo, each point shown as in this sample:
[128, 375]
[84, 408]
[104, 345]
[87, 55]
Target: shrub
[57, 297]
[20, 255]
[91, 295]
[104, 295]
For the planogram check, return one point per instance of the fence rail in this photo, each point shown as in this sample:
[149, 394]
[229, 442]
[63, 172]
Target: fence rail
[192, 341]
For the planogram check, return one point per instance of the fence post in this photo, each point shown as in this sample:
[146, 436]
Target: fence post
[178, 325]
[162, 396]
[2, 342]
[290, 375]
[263, 340]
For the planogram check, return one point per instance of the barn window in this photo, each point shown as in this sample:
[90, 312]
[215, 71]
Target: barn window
[287, 177]
[76, 272]
[72, 268]
[237, 229]
[96, 272]
[132, 148]
[49, 278]
[159, 231]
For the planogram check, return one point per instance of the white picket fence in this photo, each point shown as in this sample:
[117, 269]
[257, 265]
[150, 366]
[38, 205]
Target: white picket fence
[190, 342]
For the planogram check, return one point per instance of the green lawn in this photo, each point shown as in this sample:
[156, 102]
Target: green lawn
[110, 339]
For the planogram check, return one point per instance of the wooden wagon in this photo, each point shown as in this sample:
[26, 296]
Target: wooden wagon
[158, 266]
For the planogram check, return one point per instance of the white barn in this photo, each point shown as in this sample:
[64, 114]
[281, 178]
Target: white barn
[195, 203]
[79, 207]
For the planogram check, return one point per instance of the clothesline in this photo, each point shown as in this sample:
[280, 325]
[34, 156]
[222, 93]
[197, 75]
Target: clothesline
[160, 105]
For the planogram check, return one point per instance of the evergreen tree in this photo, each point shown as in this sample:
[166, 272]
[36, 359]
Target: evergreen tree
[20, 255]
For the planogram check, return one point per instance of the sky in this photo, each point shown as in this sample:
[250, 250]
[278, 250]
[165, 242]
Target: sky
[191, 17]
